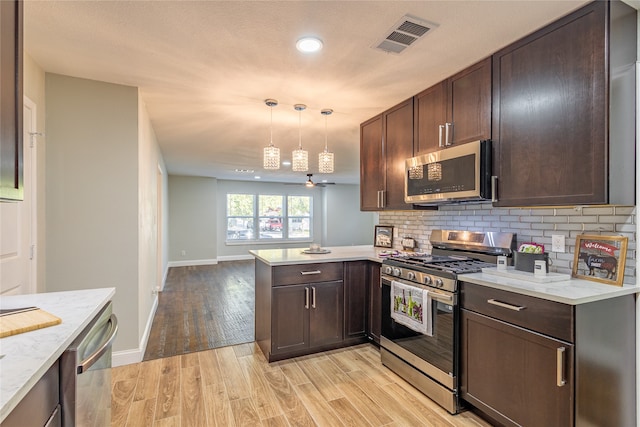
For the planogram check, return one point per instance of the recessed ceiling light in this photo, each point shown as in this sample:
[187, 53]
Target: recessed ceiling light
[309, 44]
[256, 177]
[286, 163]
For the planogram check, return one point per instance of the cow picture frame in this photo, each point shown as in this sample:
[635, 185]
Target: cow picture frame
[600, 258]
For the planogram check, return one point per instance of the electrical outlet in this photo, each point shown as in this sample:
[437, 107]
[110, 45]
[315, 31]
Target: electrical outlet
[557, 243]
[183, 253]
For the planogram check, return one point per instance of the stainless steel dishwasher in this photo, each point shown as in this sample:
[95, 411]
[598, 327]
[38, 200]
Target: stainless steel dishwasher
[85, 374]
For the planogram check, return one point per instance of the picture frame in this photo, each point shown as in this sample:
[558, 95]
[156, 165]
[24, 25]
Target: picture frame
[600, 258]
[383, 236]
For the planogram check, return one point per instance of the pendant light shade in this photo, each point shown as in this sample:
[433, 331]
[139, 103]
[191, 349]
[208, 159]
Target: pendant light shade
[300, 157]
[325, 158]
[271, 159]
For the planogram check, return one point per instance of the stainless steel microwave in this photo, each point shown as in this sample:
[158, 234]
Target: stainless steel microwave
[457, 174]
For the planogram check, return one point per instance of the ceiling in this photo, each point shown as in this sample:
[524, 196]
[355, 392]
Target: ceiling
[204, 68]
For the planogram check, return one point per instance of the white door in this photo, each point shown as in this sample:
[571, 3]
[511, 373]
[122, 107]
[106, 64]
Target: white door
[17, 222]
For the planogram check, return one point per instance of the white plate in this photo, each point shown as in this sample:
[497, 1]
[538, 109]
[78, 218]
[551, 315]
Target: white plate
[319, 251]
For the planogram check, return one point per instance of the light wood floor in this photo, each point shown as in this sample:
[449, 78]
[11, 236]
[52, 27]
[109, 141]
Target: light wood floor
[235, 386]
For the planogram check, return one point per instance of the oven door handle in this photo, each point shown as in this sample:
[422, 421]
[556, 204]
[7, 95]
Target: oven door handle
[433, 294]
[440, 297]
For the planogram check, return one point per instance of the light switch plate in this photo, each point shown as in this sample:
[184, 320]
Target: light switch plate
[557, 243]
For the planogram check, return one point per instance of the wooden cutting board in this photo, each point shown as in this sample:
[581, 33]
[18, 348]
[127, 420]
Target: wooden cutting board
[13, 324]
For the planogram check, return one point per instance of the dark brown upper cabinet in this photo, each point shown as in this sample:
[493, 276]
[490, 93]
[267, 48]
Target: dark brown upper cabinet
[11, 176]
[454, 111]
[386, 141]
[563, 117]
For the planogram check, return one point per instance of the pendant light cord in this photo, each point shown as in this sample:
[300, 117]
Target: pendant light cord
[300, 129]
[271, 127]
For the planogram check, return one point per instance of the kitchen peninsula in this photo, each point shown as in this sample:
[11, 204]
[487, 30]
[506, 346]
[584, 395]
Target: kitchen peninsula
[306, 303]
[26, 357]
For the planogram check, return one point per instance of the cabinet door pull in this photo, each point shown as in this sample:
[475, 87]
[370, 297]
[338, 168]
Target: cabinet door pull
[447, 134]
[494, 188]
[306, 298]
[313, 301]
[307, 273]
[382, 198]
[440, 132]
[560, 381]
[505, 305]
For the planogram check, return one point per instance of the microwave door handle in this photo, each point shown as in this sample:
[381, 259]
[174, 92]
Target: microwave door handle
[494, 188]
[440, 133]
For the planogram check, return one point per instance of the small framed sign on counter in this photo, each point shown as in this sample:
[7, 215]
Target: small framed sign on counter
[383, 236]
[600, 258]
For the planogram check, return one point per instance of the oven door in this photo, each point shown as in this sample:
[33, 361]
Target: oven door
[435, 355]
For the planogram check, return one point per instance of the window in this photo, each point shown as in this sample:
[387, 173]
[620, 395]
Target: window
[266, 217]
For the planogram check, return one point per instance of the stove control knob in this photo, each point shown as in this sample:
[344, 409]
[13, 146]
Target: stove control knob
[396, 271]
[427, 280]
[411, 275]
[387, 270]
[439, 283]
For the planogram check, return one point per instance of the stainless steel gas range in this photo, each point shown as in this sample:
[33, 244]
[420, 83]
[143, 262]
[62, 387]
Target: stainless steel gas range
[420, 313]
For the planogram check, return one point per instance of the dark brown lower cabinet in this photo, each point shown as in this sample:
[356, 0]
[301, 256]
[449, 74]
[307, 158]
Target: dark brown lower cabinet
[375, 302]
[515, 373]
[306, 316]
[528, 361]
[355, 299]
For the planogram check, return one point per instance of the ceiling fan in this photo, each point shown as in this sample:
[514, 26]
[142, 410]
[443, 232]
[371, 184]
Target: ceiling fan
[309, 182]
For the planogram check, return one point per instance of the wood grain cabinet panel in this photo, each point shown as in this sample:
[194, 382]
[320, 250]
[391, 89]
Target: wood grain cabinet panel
[372, 174]
[306, 316]
[375, 302]
[462, 102]
[290, 319]
[355, 299]
[11, 77]
[398, 143]
[386, 141]
[514, 373]
[553, 130]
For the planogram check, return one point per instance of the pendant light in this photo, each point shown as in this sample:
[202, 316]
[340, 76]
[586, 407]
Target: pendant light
[300, 157]
[325, 158]
[271, 158]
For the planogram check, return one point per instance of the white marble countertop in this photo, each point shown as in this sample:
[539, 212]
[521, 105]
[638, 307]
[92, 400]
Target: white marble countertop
[572, 291]
[27, 356]
[338, 253]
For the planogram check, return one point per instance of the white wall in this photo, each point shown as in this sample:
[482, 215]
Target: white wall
[199, 203]
[343, 222]
[192, 220]
[150, 162]
[100, 197]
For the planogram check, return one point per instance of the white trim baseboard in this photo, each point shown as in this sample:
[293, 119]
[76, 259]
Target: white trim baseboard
[235, 257]
[192, 262]
[127, 357]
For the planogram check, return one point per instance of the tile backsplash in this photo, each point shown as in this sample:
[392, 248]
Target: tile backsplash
[530, 224]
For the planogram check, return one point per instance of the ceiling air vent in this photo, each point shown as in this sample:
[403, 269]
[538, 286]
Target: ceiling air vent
[402, 35]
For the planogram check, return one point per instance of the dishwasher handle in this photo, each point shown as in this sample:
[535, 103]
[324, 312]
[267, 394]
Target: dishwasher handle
[93, 358]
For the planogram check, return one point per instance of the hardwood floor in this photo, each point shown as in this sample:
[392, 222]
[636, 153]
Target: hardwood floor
[235, 386]
[203, 307]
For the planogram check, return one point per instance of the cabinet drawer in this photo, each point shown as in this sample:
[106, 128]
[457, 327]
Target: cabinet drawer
[307, 273]
[546, 317]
